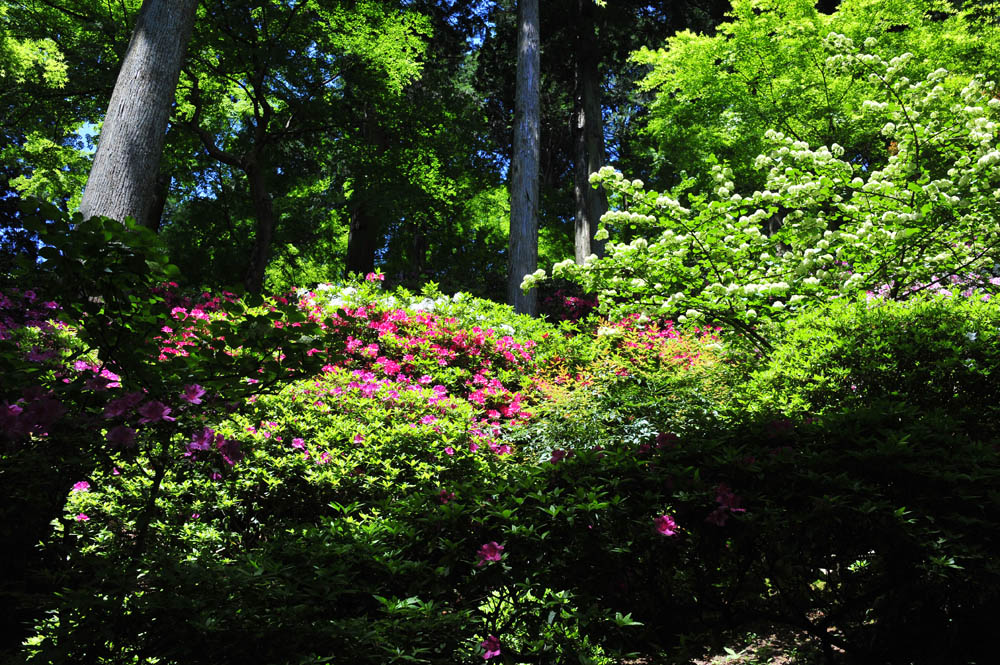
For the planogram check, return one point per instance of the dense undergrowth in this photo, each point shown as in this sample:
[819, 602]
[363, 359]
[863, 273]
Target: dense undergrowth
[345, 474]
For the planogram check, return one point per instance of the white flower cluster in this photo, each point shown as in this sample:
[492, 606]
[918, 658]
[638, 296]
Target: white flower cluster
[824, 226]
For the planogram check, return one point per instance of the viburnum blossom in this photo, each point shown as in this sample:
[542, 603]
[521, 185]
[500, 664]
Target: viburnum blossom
[491, 551]
[491, 647]
[666, 525]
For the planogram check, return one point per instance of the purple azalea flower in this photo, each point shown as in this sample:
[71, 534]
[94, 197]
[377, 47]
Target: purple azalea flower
[491, 647]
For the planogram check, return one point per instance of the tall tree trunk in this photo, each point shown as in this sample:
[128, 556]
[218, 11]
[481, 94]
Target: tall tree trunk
[160, 193]
[524, 163]
[122, 181]
[365, 231]
[265, 222]
[362, 239]
[588, 135]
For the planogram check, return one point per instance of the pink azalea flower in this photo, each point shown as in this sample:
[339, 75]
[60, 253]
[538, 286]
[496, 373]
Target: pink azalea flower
[427, 420]
[666, 525]
[449, 451]
[359, 438]
[557, 456]
[193, 394]
[491, 647]
[298, 443]
[81, 486]
[446, 496]
[489, 552]
[81, 517]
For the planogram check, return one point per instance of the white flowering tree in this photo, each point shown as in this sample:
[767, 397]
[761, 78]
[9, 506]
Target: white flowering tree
[824, 227]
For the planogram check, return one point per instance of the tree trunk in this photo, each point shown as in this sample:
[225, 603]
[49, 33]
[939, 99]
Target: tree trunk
[365, 231]
[524, 163]
[122, 181]
[362, 239]
[159, 203]
[265, 222]
[588, 136]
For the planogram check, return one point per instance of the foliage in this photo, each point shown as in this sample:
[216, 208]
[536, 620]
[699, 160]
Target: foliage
[824, 227]
[925, 352]
[716, 95]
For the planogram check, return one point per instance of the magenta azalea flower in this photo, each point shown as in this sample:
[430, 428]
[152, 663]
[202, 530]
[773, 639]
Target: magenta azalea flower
[81, 486]
[121, 436]
[491, 646]
[81, 517]
[122, 405]
[202, 441]
[557, 456]
[155, 411]
[193, 394]
[489, 552]
[666, 525]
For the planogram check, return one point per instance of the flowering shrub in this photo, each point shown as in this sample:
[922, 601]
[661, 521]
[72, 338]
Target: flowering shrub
[823, 227]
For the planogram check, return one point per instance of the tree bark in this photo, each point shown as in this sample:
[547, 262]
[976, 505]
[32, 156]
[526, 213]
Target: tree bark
[588, 135]
[525, 160]
[264, 227]
[362, 239]
[365, 231]
[122, 181]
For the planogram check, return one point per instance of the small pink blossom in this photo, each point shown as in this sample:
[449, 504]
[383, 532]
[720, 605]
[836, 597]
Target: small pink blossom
[491, 551]
[445, 496]
[491, 647]
[298, 443]
[359, 438]
[666, 525]
[449, 451]
[427, 420]
[81, 486]
[557, 456]
[81, 517]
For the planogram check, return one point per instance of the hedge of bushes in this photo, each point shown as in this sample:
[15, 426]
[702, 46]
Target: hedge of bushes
[350, 475]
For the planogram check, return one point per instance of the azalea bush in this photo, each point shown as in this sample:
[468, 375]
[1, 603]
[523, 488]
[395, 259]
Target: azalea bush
[345, 472]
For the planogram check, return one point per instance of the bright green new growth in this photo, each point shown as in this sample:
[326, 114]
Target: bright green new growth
[824, 226]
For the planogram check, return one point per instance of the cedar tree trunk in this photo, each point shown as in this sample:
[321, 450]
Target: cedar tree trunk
[588, 136]
[123, 179]
[524, 163]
